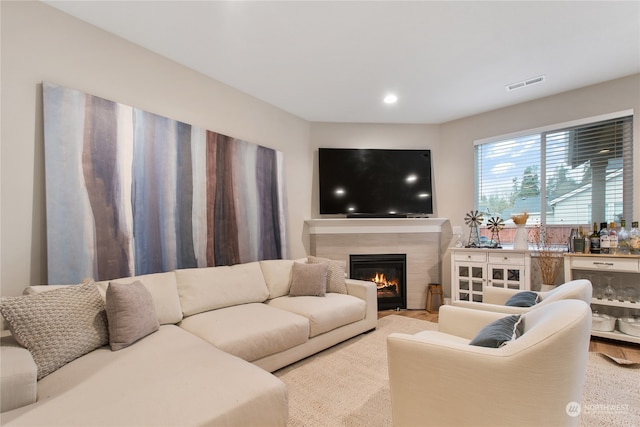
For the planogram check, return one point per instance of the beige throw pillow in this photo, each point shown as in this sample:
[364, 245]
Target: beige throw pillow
[308, 279]
[131, 314]
[57, 326]
[335, 274]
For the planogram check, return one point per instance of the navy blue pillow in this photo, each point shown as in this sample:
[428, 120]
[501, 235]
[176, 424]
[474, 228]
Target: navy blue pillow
[523, 299]
[499, 332]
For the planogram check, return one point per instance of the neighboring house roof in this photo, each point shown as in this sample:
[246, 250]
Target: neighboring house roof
[579, 190]
[530, 205]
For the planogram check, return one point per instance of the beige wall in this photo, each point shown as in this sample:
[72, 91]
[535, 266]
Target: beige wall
[452, 142]
[456, 182]
[456, 195]
[40, 43]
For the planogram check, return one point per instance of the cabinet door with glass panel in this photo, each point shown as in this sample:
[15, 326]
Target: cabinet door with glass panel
[469, 275]
[509, 270]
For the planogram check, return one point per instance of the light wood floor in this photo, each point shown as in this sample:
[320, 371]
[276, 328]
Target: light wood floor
[613, 348]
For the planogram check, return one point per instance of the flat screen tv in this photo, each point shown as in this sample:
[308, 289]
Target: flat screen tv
[375, 182]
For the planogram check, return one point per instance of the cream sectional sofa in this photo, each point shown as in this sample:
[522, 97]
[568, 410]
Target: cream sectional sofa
[222, 330]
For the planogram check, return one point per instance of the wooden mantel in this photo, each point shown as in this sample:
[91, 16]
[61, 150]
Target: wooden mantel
[423, 240]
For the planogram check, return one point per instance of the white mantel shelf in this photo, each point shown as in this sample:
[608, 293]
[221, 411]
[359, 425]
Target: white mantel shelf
[375, 225]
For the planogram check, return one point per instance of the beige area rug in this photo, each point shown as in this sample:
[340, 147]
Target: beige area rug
[347, 385]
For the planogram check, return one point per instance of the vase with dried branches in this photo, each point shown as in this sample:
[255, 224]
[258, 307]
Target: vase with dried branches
[520, 239]
[548, 254]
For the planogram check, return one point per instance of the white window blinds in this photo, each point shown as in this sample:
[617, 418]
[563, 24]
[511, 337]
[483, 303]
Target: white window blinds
[570, 176]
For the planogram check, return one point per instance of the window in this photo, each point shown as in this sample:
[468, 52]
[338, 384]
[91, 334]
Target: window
[564, 177]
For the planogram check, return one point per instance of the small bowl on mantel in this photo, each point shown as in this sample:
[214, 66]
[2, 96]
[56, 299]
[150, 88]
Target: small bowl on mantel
[602, 322]
[629, 326]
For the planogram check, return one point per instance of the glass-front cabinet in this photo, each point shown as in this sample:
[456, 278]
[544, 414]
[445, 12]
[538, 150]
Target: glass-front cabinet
[474, 269]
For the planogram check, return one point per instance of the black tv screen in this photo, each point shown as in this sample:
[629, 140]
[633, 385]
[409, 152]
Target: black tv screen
[375, 182]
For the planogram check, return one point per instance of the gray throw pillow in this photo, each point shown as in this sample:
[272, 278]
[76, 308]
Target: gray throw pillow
[523, 299]
[335, 274]
[131, 314]
[57, 326]
[308, 279]
[499, 332]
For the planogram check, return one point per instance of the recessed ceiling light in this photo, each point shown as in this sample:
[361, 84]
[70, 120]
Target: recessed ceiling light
[390, 99]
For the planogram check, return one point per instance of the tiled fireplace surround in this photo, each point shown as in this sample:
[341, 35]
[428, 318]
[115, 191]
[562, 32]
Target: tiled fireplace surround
[423, 240]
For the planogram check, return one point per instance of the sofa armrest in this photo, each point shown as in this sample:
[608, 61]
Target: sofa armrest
[491, 307]
[18, 375]
[367, 292]
[361, 289]
[464, 322]
[498, 296]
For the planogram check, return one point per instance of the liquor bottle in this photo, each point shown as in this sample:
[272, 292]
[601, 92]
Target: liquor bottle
[604, 238]
[613, 238]
[634, 238]
[572, 240]
[623, 238]
[578, 241]
[594, 240]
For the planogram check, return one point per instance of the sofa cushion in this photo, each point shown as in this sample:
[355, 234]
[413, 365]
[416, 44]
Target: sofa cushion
[130, 313]
[335, 275]
[499, 332]
[324, 314]
[204, 289]
[249, 331]
[277, 275]
[308, 279]
[163, 288]
[523, 299]
[171, 378]
[18, 375]
[57, 326]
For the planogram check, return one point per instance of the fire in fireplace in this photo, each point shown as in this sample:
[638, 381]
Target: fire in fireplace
[388, 272]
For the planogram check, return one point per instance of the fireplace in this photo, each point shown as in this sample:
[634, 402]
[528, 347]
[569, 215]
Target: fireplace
[388, 272]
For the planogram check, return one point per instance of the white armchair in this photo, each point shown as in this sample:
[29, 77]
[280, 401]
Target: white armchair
[493, 299]
[438, 379]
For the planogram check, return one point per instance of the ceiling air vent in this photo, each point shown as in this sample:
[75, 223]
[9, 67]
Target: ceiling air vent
[525, 83]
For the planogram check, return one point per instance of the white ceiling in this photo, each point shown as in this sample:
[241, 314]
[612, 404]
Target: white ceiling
[335, 60]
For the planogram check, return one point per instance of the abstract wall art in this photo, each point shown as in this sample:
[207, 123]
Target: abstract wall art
[130, 192]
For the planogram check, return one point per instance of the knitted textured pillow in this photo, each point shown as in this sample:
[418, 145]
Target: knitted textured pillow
[57, 326]
[335, 274]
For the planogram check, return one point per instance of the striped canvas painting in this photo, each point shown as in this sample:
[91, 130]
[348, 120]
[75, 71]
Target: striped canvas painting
[130, 192]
